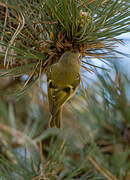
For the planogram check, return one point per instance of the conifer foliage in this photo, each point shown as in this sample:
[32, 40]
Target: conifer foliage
[94, 142]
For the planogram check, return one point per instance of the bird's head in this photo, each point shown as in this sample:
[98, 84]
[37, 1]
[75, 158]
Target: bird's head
[71, 57]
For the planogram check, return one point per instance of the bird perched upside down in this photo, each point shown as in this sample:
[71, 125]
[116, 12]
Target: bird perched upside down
[63, 79]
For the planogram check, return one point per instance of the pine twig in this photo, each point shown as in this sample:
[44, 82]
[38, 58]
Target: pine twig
[102, 170]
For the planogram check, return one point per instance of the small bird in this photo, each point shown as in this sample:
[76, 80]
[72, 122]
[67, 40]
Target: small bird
[63, 79]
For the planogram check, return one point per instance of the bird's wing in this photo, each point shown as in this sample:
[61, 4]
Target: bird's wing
[58, 95]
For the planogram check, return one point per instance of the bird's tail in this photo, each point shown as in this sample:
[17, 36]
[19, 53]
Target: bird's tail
[55, 120]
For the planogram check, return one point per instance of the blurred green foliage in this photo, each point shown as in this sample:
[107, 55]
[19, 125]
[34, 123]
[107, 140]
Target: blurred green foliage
[93, 143]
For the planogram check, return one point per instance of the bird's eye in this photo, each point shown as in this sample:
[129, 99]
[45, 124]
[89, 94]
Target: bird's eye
[50, 84]
[67, 89]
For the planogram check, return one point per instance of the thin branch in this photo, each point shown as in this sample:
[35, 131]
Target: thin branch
[102, 170]
[22, 21]
[30, 76]
[17, 133]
